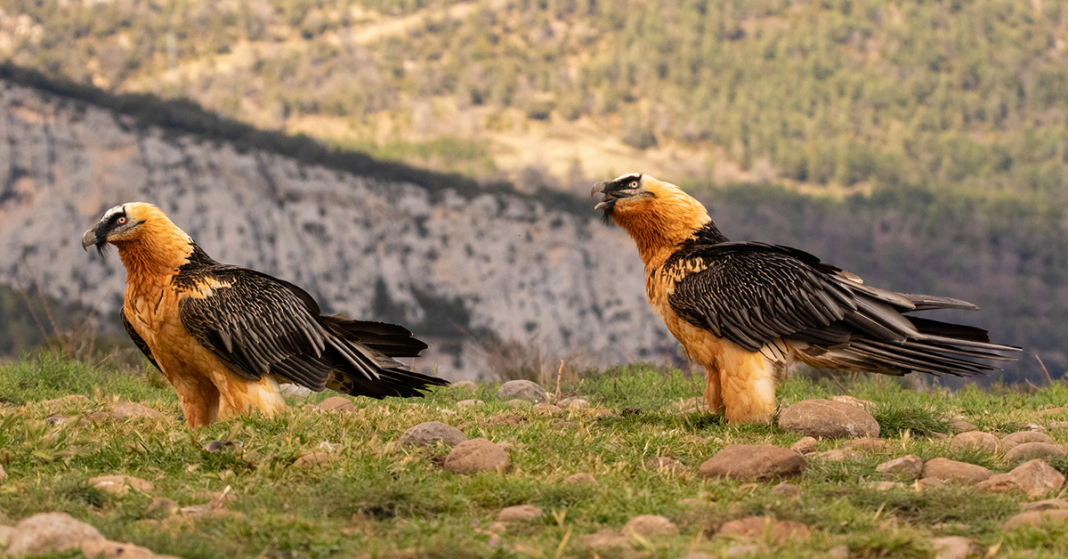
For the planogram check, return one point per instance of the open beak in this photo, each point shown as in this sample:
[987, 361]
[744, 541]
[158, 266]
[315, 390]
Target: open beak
[599, 188]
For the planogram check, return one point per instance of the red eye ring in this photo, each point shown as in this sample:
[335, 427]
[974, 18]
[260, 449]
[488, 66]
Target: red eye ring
[121, 221]
[633, 184]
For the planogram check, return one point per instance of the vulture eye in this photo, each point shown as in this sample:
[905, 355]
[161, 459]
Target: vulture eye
[121, 220]
[633, 184]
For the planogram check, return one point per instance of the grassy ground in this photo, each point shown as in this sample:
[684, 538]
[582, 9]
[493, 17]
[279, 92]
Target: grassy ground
[380, 500]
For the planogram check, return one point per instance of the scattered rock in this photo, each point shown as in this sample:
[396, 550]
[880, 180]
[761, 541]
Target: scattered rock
[521, 513]
[162, 507]
[573, 403]
[49, 532]
[295, 391]
[806, 445]
[951, 547]
[786, 490]
[73, 399]
[467, 385]
[885, 485]
[910, 467]
[1047, 504]
[828, 419]
[977, 440]
[547, 409]
[312, 459]
[1058, 424]
[753, 462]
[3, 474]
[867, 444]
[476, 455]
[607, 538]
[757, 526]
[951, 470]
[648, 525]
[939, 436]
[120, 485]
[862, 404]
[429, 433]
[5, 533]
[466, 403]
[1034, 478]
[1031, 451]
[215, 446]
[1008, 442]
[836, 455]
[1037, 518]
[522, 389]
[663, 463]
[507, 446]
[1052, 411]
[133, 410]
[338, 404]
[930, 483]
[565, 425]
[581, 478]
[839, 552]
[960, 426]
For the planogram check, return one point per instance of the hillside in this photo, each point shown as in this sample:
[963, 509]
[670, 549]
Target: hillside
[826, 96]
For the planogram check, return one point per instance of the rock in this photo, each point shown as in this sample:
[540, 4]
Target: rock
[910, 467]
[467, 403]
[1047, 504]
[337, 404]
[951, 526]
[828, 419]
[742, 550]
[521, 513]
[49, 532]
[862, 404]
[753, 462]
[573, 403]
[133, 410]
[975, 440]
[960, 426]
[429, 433]
[951, 547]
[648, 525]
[786, 490]
[930, 483]
[312, 408]
[757, 526]
[605, 539]
[806, 445]
[5, 533]
[547, 409]
[1034, 478]
[581, 478]
[867, 444]
[3, 474]
[1052, 411]
[1008, 442]
[119, 485]
[162, 507]
[476, 455]
[295, 391]
[1056, 425]
[663, 463]
[885, 485]
[523, 390]
[839, 552]
[467, 385]
[1037, 518]
[836, 455]
[73, 399]
[312, 459]
[961, 472]
[1031, 451]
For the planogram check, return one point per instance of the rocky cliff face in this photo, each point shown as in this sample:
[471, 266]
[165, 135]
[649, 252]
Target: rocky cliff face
[454, 269]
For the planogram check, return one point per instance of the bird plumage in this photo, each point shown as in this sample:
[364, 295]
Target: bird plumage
[746, 310]
[226, 336]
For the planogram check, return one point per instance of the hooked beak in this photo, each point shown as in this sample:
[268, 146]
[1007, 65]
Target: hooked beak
[88, 239]
[598, 188]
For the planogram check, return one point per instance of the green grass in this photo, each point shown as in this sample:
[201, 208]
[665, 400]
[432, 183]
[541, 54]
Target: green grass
[380, 500]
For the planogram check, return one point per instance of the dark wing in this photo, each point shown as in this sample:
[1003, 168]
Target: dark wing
[259, 325]
[137, 339]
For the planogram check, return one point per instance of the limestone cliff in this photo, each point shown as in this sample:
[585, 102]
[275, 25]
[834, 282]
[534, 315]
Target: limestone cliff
[455, 268]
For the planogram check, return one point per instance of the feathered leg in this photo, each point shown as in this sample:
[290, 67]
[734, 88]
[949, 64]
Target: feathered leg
[748, 385]
[199, 399]
[713, 390]
[238, 396]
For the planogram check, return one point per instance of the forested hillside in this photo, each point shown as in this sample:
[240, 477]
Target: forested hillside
[967, 95]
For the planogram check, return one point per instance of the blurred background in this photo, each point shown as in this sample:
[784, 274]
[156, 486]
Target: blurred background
[429, 162]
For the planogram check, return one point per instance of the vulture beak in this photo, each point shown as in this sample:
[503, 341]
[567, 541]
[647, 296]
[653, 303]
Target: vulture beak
[600, 188]
[88, 239]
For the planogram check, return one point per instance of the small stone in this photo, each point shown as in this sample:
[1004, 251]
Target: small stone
[1052, 411]
[430, 432]
[521, 513]
[786, 490]
[476, 455]
[753, 462]
[3, 474]
[73, 399]
[133, 410]
[296, 391]
[835, 455]
[885, 485]
[1047, 504]
[862, 404]
[757, 526]
[960, 426]
[1056, 425]
[522, 389]
[951, 547]
[1008, 442]
[694, 439]
[5, 533]
[605, 539]
[574, 403]
[49, 532]
[162, 507]
[961, 472]
[547, 409]
[839, 552]
[939, 436]
[868, 444]
[910, 467]
[467, 385]
[828, 419]
[663, 463]
[467, 403]
[565, 425]
[507, 446]
[338, 404]
[648, 525]
[977, 440]
[312, 459]
[806, 445]
[930, 483]
[1034, 478]
[312, 408]
[119, 485]
[1031, 451]
[1033, 518]
[581, 478]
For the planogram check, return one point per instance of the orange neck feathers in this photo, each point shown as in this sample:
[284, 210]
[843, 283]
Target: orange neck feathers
[661, 224]
[158, 249]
